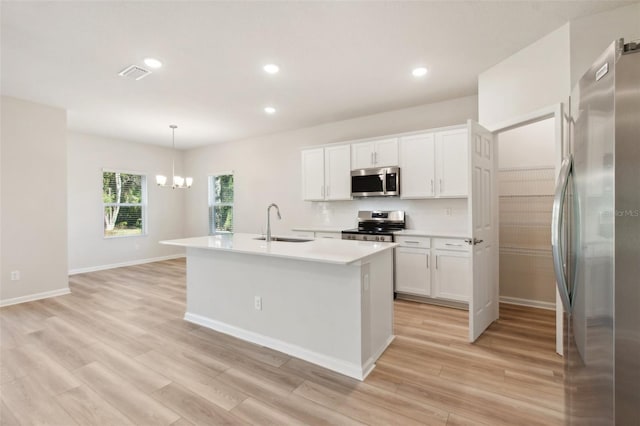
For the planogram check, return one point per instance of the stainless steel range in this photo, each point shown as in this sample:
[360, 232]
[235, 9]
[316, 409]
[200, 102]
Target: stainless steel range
[376, 225]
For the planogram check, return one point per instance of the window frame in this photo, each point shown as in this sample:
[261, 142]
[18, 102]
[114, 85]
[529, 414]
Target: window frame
[212, 202]
[143, 203]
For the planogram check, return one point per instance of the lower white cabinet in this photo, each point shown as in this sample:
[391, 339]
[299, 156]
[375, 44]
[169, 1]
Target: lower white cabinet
[413, 274]
[438, 268]
[451, 275]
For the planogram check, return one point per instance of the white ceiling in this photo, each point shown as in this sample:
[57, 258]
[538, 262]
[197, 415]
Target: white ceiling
[338, 60]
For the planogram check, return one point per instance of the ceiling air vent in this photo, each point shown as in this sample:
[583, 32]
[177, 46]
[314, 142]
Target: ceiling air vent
[135, 72]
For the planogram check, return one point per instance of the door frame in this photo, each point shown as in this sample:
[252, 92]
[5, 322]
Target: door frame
[557, 113]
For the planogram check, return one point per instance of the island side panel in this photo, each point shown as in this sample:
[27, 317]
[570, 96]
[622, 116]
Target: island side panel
[377, 312]
[311, 310]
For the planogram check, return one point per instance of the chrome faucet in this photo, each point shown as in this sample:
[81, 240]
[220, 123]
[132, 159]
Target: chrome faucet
[268, 238]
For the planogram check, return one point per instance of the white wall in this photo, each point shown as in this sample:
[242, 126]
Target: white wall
[267, 169]
[87, 156]
[543, 73]
[532, 145]
[34, 200]
[591, 35]
[533, 78]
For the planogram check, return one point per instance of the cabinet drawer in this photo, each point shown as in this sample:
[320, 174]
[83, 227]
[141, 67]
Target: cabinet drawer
[407, 241]
[334, 235]
[450, 244]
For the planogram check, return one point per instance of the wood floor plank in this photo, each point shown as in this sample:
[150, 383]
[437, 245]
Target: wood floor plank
[256, 412]
[31, 404]
[117, 351]
[193, 407]
[136, 405]
[42, 368]
[352, 407]
[7, 418]
[136, 373]
[196, 379]
[88, 408]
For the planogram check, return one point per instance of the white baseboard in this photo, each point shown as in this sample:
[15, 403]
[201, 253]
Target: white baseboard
[32, 297]
[122, 264]
[348, 369]
[528, 302]
[371, 362]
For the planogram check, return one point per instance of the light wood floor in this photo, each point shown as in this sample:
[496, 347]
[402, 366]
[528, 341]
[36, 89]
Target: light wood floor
[117, 352]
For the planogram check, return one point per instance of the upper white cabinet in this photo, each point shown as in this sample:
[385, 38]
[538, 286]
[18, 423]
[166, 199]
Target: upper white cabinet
[434, 164]
[452, 163]
[417, 166]
[313, 174]
[326, 173]
[377, 153]
[337, 175]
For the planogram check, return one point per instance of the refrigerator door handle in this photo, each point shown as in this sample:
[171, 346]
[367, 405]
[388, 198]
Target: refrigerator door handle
[556, 231]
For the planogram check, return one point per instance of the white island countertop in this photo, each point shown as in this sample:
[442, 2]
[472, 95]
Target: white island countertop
[342, 252]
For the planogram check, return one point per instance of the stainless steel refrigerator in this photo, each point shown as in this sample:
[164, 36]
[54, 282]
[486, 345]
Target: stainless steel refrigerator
[596, 242]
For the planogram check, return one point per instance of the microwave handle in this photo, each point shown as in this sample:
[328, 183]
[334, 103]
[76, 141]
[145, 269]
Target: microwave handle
[384, 183]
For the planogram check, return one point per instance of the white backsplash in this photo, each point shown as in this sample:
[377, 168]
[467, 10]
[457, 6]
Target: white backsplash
[444, 215]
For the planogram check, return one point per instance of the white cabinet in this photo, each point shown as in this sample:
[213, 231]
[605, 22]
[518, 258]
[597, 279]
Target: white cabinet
[413, 263]
[437, 268]
[313, 174]
[452, 271]
[452, 164]
[434, 165]
[417, 166]
[377, 153]
[337, 176]
[326, 173]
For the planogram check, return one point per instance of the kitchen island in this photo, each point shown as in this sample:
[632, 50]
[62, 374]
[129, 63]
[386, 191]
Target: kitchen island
[329, 302]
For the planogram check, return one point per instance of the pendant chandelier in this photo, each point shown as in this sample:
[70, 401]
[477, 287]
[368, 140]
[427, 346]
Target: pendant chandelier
[176, 181]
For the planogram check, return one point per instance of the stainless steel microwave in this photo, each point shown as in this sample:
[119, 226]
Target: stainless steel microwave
[382, 182]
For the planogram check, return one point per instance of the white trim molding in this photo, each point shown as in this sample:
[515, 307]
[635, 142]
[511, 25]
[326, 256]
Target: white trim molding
[123, 264]
[528, 302]
[348, 369]
[32, 297]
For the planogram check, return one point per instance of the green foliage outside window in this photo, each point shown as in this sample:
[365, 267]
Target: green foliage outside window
[220, 203]
[123, 199]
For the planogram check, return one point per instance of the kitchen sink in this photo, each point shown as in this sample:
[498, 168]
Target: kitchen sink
[285, 239]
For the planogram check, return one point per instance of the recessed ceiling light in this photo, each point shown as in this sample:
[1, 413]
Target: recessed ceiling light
[271, 68]
[419, 72]
[152, 62]
[270, 110]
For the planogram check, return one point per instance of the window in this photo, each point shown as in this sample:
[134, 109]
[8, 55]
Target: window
[124, 196]
[221, 203]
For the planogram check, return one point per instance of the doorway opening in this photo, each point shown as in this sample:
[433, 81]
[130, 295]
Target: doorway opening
[526, 180]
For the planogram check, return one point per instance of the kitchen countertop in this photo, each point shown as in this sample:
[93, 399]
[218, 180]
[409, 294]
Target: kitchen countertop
[434, 234]
[342, 252]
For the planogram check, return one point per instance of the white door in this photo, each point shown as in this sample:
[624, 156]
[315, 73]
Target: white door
[483, 220]
[386, 153]
[413, 273]
[452, 169]
[337, 176]
[362, 155]
[417, 164]
[313, 174]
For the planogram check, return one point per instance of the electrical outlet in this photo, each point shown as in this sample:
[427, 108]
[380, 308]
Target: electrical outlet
[257, 303]
[15, 275]
[448, 211]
